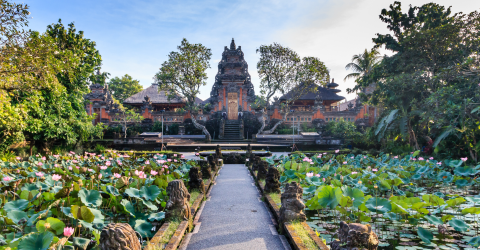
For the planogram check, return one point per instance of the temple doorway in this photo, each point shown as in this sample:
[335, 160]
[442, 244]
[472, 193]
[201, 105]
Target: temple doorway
[232, 106]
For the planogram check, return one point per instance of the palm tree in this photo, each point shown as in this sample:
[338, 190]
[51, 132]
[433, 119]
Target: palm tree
[362, 64]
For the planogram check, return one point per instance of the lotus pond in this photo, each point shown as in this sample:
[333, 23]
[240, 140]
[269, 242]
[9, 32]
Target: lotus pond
[70, 198]
[406, 200]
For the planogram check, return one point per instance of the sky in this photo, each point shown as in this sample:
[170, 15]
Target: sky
[135, 37]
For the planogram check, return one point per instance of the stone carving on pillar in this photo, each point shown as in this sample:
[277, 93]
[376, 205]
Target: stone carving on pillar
[256, 163]
[272, 182]
[211, 161]
[262, 170]
[196, 181]
[178, 205]
[355, 236]
[218, 152]
[206, 171]
[292, 204]
[249, 151]
[119, 236]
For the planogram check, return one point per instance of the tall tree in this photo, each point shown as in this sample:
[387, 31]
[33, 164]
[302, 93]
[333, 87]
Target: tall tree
[122, 88]
[362, 64]
[281, 71]
[184, 73]
[430, 45]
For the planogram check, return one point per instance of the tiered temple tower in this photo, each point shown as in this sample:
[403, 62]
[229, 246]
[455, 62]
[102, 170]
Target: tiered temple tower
[233, 90]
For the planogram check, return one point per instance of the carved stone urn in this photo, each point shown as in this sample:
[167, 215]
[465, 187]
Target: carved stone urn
[355, 236]
[272, 182]
[196, 181]
[292, 204]
[178, 205]
[119, 236]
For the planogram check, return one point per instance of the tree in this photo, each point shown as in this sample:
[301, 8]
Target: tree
[281, 70]
[122, 88]
[125, 116]
[185, 72]
[431, 46]
[362, 64]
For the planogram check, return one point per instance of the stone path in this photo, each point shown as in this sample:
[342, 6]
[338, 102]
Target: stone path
[234, 217]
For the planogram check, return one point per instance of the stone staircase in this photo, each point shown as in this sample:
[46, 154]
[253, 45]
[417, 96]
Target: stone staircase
[232, 129]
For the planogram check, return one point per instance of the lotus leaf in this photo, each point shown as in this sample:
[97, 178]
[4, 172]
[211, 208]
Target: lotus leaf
[455, 202]
[16, 216]
[156, 216]
[471, 210]
[150, 193]
[425, 235]
[310, 190]
[82, 213]
[81, 243]
[354, 193]
[143, 227]
[458, 225]
[20, 204]
[329, 196]
[433, 220]
[36, 241]
[112, 190]
[90, 197]
[474, 242]
[127, 205]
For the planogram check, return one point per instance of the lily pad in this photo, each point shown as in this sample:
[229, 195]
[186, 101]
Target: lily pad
[90, 197]
[36, 241]
[425, 235]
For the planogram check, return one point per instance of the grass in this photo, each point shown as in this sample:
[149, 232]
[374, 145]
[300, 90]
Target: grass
[304, 236]
[276, 197]
[170, 231]
[262, 183]
[205, 181]
[193, 196]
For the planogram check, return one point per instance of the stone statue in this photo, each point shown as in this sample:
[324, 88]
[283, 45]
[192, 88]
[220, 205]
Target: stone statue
[292, 204]
[196, 181]
[206, 170]
[119, 236]
[355, 236]
[178, 205]
[262, 170]
[249, 151]
[272, 182]
[218, 152]
[251, 160]
[256, 163]
[212, 163]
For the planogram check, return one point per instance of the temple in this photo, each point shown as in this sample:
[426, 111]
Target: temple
[232, 95]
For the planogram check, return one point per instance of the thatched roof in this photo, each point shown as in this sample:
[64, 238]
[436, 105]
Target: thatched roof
[324, 93]
[156, 97]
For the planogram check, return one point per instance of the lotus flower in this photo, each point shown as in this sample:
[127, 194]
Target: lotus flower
[153, 172]
[108, 163]
[431, 158]
[354, 172]
[147, 162]
[374, 170]
[103, 167]
[439, 163]
[116, 175]
[39, 174]
[18, 158]
[91, 170]
[70, 168]
[336, 151]
[344, 163]
[175, 160]
[182, 156]
[7, 178]
[174, 155]
[40, 164]
[309, 174]
[68, 231]
[464, 159]
[395, 157]
[323, 179]
[169, 160]
[100, 176]
[44, 158]
[197, 154]
[56, 177]
[420, 158]
[317, 175]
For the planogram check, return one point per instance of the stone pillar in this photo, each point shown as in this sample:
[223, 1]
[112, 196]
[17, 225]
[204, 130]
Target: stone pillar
[355, 236]
[272, 182]
[292, 204]
[178, 204]
[262, 170]
[196, 181]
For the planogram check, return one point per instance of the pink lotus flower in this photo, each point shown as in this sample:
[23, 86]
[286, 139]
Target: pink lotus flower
[197, 154]
[18, 171]
[374, 170]
[323, 179]
[91, 170]
[131, 151]
[317, 175]
[71, 152]
[153, 172]
[175, 160]
[431, 158]
[413, 159]
[309, 174]
[354, 172]
[119, 162]
[161, 155]
[116, 175]
[325, 153]
[169, 160]
[319, 156]
[103, 167]
[40, 164]
[147, 162]
[335, 174]
[311, 163]
[344, 162]
[464, 159]
[108, 163]
[70, 168]
[85, 157]
[68, 231]
[18, 158]
[103, 158]
[44, 158]
[183, 156]
[439, 163]
[161, 161]
[336, 151]
[155, 157]
[351, 157]
[110, 158]
[395, 157]
[421, 159]
[56, 177]
[7, 178]
[75, 161]
[39, 174]
[364, 157]
[77, 167]
[174, 155]
[100, 176]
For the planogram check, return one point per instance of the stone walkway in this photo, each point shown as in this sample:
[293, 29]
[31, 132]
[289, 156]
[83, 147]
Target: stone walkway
[234, 217]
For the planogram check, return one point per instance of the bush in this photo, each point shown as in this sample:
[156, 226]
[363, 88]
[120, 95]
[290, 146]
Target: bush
[190, 128]
[213, 125]
[251, 125]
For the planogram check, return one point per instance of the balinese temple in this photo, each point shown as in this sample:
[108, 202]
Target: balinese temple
[232, 93]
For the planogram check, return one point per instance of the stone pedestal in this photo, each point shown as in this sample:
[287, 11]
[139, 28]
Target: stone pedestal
[355, 236]
[119, 236]
[212, 162]
[196, 181]
[272, 182]
[262, 170]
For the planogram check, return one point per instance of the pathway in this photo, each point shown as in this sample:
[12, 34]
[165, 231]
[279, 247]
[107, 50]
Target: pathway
[234, 217]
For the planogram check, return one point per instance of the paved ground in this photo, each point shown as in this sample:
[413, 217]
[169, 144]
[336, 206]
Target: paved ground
[234, 218]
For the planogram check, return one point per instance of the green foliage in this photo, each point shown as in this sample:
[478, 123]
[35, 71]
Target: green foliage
[341, 129]
[124, 87]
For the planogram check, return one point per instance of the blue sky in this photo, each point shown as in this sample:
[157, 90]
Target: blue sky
[135, 37]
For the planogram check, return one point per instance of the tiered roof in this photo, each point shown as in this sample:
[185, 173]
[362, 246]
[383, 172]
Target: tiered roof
[156, 97]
